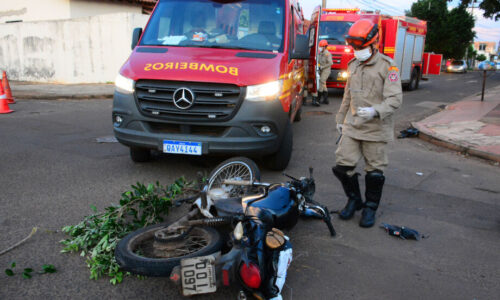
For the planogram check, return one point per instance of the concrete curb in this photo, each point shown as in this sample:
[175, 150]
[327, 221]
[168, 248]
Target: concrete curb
[456, 147]
[62, 97]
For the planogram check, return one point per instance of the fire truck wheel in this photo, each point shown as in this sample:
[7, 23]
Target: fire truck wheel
[279, 160]
[414, 80]
[139, 155]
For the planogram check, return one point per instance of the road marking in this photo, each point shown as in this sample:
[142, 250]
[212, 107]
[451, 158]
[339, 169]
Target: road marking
[472, 81]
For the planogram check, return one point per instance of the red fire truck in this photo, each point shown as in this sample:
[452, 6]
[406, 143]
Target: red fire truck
[401, 38]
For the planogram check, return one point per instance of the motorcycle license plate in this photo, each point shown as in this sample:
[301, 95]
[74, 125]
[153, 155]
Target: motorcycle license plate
[198, 275]
[180, 147]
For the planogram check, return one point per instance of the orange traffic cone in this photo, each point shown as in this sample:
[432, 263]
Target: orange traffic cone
[6, 88]
[4, 104]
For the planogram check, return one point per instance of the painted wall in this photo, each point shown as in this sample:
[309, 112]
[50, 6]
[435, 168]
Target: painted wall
[85, 8]
[33, 10]
[82, 50]
[38, 10]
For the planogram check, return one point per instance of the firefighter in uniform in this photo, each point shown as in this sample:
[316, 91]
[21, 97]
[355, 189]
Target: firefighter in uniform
[325, 63]
[372, 94]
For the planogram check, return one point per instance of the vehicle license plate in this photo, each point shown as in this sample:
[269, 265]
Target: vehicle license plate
[179, 147]
[198, 275]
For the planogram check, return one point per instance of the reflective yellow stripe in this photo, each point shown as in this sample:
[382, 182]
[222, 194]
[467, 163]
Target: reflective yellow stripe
[285, 95]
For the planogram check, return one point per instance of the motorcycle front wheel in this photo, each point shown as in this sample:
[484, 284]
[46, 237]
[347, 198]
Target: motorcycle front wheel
[236, 168]
[141, 253]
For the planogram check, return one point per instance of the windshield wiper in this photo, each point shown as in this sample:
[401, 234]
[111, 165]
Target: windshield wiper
[234, 47]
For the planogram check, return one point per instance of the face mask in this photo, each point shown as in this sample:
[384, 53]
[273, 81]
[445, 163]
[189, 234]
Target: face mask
[363, 54]
[321, 49]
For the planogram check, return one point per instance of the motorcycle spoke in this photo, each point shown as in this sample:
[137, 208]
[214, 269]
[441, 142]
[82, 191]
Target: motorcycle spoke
[192, 244]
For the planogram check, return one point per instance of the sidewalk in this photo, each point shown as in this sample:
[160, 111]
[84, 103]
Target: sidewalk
[53, 91]
[468, 126]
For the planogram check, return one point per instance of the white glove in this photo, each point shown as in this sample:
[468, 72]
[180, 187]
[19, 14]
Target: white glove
[367, 113]
[339, 128]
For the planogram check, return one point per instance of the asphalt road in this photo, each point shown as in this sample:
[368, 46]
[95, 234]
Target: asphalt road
[52, 170]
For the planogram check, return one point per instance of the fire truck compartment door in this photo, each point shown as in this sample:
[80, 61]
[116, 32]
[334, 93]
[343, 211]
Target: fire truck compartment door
[400, 44]
[419, 49]
[407, 57]
[432, 63]
[312, 68]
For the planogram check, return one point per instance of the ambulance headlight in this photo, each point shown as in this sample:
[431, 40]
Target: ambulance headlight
[263, 92]
[124, 85]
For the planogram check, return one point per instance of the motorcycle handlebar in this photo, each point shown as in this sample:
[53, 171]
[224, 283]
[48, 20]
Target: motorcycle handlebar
[245, 183]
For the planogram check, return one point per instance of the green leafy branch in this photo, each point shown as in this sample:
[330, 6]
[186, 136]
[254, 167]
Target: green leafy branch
[97, 235]
[27, 272]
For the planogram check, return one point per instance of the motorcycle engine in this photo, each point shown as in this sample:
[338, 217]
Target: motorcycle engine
[217, 194]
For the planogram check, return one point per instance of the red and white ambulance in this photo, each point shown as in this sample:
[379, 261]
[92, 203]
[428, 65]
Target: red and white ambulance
[401, 38]
[214, 77]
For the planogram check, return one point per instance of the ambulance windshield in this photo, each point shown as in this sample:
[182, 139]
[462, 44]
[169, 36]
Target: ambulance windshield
[250, 24]
[334, 31]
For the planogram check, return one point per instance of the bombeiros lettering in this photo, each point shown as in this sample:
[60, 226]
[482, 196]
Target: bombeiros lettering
[193, 66]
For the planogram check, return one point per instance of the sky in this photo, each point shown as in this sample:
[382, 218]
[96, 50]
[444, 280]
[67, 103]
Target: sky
[487, 30]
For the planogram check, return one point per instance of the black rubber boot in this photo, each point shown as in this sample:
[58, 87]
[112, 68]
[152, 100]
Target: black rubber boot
[351, 189]
[315, 101]
[374, 182]
[324, 97]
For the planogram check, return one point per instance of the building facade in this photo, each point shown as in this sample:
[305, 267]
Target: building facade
[43, 10]
[68, 41]
[486, 48]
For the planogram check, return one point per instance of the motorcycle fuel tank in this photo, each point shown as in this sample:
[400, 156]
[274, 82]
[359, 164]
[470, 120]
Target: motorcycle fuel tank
[279, 203]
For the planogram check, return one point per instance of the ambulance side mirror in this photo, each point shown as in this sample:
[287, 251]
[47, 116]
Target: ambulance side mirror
[301, 50]
[136, 35]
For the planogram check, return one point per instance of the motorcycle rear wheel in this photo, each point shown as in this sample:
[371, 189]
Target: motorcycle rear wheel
[236, 168]
[138, 253]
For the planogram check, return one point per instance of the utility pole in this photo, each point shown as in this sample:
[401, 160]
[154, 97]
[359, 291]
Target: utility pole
[467, 49]
[323, 4]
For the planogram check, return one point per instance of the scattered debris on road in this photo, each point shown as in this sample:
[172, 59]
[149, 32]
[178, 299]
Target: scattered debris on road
[33, 231]
[106, 139]
[402, 232]
[408, 132]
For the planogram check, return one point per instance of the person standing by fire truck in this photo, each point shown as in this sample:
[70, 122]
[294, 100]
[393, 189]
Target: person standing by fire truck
[372, 94]
[325, 63]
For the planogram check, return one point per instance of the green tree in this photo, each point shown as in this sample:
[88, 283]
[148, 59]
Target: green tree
[471, 53]
[491, 8]
[460, 33]
[481, 57]
[448, 32]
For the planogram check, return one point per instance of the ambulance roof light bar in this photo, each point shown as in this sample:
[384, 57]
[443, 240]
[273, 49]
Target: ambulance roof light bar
[340, 10]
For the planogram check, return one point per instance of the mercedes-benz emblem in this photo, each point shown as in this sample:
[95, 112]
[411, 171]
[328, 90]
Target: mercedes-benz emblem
[183, 98]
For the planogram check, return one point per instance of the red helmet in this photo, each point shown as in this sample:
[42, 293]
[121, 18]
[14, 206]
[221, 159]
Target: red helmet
[362, 34]
[323, 43]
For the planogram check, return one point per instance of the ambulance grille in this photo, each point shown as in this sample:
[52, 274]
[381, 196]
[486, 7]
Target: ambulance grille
[213, 102]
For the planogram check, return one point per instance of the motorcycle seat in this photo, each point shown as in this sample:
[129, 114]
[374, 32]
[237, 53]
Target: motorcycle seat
[229, 206]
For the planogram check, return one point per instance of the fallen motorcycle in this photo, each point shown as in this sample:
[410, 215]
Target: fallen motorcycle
[232, 234]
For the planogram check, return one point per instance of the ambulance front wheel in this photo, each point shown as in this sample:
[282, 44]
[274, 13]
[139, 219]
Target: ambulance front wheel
[139, 155]
[279, 161]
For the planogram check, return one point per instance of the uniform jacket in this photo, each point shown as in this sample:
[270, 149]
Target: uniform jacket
[376, 84]
[325, 62]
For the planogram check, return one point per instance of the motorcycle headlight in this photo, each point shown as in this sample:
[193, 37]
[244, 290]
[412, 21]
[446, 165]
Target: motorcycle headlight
[238, 231]
[124, 85]
[263, 92]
